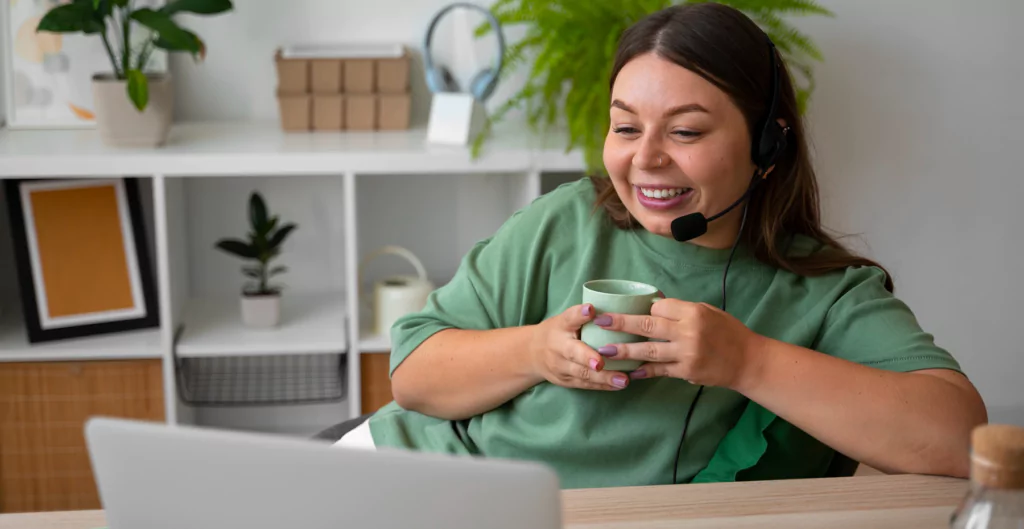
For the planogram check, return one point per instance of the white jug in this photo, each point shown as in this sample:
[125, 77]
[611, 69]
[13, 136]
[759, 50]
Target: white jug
[396, 296]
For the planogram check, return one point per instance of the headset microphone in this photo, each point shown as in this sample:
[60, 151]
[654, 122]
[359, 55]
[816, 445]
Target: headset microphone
[696, 224]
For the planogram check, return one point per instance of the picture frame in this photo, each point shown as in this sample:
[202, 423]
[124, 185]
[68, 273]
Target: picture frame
[81, 256]
[46, 77]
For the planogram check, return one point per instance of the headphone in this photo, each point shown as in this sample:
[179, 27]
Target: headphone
[440, 79]
[768, 143]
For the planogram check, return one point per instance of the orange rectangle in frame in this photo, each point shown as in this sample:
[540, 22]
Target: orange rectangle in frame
[81, 250]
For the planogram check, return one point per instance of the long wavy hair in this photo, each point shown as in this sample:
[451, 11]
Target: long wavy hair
[722, 45]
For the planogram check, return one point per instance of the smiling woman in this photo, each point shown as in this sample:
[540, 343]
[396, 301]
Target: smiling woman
[814, 358]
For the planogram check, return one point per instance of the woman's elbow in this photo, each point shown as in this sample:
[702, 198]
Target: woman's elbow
[948, 450]
[403, 390]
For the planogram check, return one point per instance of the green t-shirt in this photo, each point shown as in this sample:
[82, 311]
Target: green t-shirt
[533, 268]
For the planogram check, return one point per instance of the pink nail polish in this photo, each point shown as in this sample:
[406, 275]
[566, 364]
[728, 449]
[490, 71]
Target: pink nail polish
[603, 320]
[619, 381]
[587, 310]
[593, 364]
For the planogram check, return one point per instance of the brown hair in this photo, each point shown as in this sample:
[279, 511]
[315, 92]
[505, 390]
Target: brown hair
[722, 45]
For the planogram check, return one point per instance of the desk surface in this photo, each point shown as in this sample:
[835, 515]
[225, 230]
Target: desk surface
[899, 502]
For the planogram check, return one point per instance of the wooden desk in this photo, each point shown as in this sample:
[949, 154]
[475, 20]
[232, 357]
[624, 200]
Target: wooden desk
[899, 502]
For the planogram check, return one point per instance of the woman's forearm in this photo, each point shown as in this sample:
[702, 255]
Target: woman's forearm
[456, 374]
[895, 422]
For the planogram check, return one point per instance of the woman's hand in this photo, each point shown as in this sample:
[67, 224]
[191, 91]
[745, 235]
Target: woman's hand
[703, 345]
[558, 355]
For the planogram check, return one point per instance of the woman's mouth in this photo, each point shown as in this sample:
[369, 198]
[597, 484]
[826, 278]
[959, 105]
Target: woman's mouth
[662, 198]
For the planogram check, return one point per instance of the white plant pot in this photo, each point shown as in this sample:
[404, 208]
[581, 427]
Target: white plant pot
[261, 311]
[121, 124]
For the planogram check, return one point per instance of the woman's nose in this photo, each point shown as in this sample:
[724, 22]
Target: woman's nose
[650, 156]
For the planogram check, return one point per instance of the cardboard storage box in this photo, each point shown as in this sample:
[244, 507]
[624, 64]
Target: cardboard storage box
[292, 75]
[325, 76]
[328, 112]
[359, 87]
[359, 76]
[393, 75]
[393, 111]
[360, 111]
[295, 111]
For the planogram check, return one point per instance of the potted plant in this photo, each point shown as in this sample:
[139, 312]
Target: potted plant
[567, 79]
[134, 106]
[261, 301]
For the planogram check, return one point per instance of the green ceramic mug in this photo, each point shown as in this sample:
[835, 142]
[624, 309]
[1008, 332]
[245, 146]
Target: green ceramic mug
[622, 297]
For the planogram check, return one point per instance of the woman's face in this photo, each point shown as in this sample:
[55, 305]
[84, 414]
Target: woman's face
[677, 144]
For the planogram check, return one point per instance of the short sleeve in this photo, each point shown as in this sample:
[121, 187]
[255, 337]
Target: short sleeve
[868, 325]
[500, 283]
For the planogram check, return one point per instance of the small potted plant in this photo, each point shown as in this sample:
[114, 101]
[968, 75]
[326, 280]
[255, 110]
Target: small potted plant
[261, 301]
[133, 106]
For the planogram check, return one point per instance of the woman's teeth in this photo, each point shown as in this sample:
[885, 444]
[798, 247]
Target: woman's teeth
[663, 193]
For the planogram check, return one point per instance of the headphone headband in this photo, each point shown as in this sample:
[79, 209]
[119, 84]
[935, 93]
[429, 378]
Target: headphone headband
[428, 61]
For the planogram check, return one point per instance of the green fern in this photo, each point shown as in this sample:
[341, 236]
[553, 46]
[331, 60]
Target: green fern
[568, 78]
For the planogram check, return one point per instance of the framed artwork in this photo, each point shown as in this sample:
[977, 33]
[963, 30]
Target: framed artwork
[81, 256]
[47, 77]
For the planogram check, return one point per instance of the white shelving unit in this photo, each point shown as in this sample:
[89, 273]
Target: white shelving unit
[349, 192]
[315, 324]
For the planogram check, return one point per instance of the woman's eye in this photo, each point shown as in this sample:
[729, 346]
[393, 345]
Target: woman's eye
[624, 130]
[686, 133]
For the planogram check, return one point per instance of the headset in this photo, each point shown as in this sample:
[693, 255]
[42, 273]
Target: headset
[440, 79]
[768, 143]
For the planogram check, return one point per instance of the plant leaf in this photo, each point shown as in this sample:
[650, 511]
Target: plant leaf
[238, 248]
[70, 18]
[171, 36]
[138, 89]
[200, 7]
[278, 270]
[258, 213]
[280, 235]
[102, 9]
[164, 45]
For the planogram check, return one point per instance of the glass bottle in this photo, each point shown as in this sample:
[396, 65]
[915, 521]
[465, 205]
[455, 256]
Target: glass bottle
[996, 496]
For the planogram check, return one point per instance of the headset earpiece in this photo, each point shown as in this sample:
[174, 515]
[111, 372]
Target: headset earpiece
[440, 79]
[771, 144]
[483, 84]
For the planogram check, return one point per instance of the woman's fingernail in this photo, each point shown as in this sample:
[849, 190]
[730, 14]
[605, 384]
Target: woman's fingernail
[639, 373]
[594, 363]
[588, 310]
[603, 320]
[607, 350]
[619, 381]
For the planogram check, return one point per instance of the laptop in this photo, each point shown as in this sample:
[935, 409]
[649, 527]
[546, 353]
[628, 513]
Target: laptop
[158, 476]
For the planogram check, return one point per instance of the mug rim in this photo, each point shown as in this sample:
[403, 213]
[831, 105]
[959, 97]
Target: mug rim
[587, 285]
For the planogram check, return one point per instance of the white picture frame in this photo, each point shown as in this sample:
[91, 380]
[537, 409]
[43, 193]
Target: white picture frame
[47, 78]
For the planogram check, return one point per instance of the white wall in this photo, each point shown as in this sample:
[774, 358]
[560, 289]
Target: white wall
[917, 114]
[918, 123]
[238, 79]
